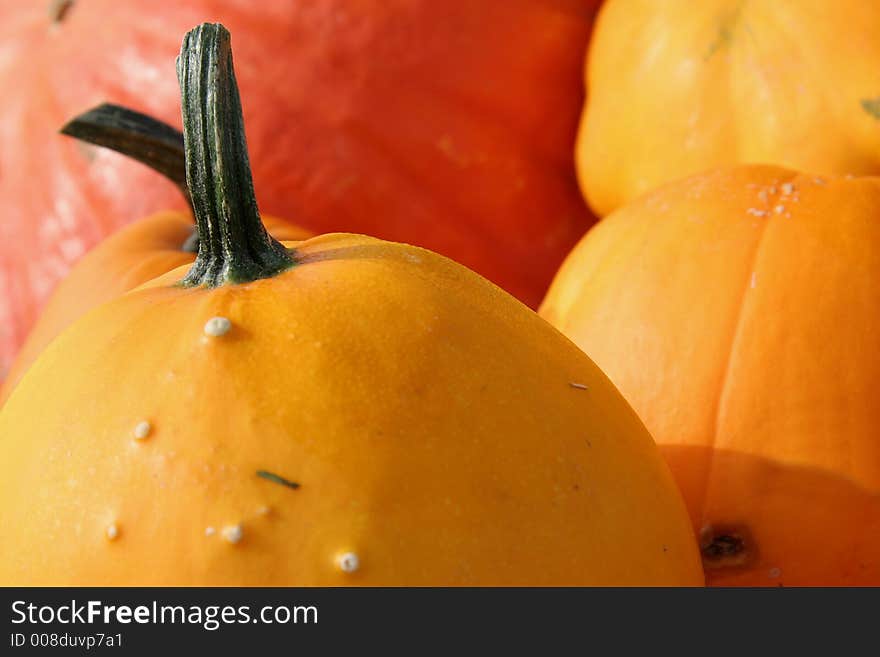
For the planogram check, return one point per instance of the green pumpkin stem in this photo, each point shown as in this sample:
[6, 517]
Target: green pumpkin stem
[136, 135]
[234, 246]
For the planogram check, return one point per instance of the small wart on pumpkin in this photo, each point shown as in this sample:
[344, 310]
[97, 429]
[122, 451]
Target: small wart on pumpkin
[579, 386]
[217, 327]
[210, 531]
[232, 533]
[348, 562]
[142, 430]
[112, 531]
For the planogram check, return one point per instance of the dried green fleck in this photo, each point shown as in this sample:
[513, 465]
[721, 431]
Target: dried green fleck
[277, 479]
[727, 28]
[871, 106]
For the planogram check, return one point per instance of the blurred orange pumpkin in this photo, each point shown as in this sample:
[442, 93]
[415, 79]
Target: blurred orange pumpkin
[678, 87]
[738, 313]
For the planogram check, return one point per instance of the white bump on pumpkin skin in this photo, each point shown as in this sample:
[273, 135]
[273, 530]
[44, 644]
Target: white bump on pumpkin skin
[210, 531]
[787, 188]
[217, 327]
[779, 209]
[348, 562]
[142, 429]
[263, 510]
[579, 386]
[112, 531]
[232, 533]
[819, 181]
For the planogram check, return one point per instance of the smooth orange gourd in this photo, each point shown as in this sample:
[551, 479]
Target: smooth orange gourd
[678, 87]
[337, 411]
[737, 311]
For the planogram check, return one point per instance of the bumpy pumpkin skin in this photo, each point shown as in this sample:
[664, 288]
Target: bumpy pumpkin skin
[427, 416]
[678, 87]
[444, 124]
[130, 257]
[745, 338]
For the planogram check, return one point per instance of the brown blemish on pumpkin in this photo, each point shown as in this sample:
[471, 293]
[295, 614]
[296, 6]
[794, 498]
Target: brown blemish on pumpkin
[58, 10]
[726, 546]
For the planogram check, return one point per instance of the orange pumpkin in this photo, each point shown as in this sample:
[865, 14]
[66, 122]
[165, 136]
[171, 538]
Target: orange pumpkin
[443, 124]
[134, 254]
[337, 411]
[678, 87]
[737, 312]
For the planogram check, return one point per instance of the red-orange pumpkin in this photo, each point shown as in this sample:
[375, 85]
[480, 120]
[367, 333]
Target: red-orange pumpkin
[445, 124]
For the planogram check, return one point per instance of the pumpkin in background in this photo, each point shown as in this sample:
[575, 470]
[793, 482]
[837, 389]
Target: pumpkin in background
[342, 410]
[448, 125]
[679, 87]
[134, 254]
[737, 311]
